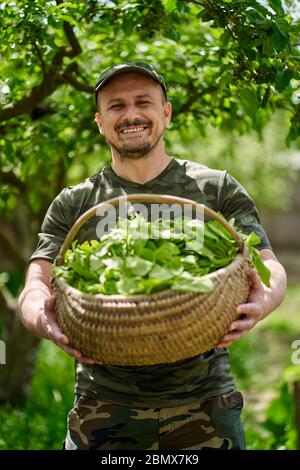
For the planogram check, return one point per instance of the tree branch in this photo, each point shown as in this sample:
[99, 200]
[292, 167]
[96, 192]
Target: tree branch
[40, 57]
[8, 177]
[92, 11]
[71, 78]
[4, 128]
[195, 96]
[53, 78]
[73, 41]
[8, 299]
[11, 250]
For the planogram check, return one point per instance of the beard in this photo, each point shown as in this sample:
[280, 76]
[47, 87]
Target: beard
[134, 150]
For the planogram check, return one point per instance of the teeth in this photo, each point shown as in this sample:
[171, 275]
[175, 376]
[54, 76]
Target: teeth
[133, 129]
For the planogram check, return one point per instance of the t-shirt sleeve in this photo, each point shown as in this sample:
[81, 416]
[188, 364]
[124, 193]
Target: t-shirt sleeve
[55, 227]
[236, 203]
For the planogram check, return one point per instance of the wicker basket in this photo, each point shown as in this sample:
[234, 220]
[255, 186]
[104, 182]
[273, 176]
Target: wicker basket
[164, 327]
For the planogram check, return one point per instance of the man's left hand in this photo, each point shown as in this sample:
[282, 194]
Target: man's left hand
[256, 308]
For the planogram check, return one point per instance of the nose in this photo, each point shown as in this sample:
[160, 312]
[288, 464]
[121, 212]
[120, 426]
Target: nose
[131, 112]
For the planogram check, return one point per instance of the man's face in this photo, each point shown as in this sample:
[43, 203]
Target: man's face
[133, 114]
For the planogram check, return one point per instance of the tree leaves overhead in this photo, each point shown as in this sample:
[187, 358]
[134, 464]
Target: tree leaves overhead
[230, 64]
[169, 5]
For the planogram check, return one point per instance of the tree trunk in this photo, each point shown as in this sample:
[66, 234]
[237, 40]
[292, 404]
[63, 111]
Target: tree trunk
[17, 242]
[296, 393]
[21, 349]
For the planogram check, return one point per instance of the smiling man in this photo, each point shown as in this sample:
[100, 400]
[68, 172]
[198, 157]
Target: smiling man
[191, 404]
[133, 115]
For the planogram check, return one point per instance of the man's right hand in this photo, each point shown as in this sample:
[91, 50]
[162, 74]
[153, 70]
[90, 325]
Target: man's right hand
[55, 334]
[36, 308]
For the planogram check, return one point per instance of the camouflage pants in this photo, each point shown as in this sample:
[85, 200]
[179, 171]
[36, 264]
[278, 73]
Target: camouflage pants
[211, 424]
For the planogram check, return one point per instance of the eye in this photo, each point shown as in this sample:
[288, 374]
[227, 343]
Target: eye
[143, 103]
[116, 106]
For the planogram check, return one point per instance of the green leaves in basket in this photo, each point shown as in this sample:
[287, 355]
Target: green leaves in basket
[140, 257]
[264, 273]
[188, 282]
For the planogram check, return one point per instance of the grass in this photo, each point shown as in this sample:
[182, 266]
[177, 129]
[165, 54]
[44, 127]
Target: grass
[258, 364]
[41, 422]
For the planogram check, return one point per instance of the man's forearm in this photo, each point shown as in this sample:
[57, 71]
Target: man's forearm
[31, 306]
[276, 292]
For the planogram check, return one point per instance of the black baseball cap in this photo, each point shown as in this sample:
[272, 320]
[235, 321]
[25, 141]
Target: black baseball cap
[140, 67]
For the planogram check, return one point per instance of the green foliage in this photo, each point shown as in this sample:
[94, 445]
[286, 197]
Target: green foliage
[261, 365]
[227, 64]
[41, 423]
[261, 164]
[280, 420]
[169, 5]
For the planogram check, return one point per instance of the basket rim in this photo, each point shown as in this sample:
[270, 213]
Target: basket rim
[239, 258]
[148, 197]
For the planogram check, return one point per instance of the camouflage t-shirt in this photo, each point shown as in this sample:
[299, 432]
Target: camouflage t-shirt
[197, 378]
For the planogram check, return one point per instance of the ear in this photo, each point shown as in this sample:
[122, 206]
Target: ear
[167, 112]
[98, 119]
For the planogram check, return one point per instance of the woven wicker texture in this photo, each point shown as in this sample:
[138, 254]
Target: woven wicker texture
[159, 328]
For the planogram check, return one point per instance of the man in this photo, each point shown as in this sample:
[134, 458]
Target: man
[191, 404]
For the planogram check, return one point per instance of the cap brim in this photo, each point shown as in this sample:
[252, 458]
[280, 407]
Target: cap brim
[130, 68]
